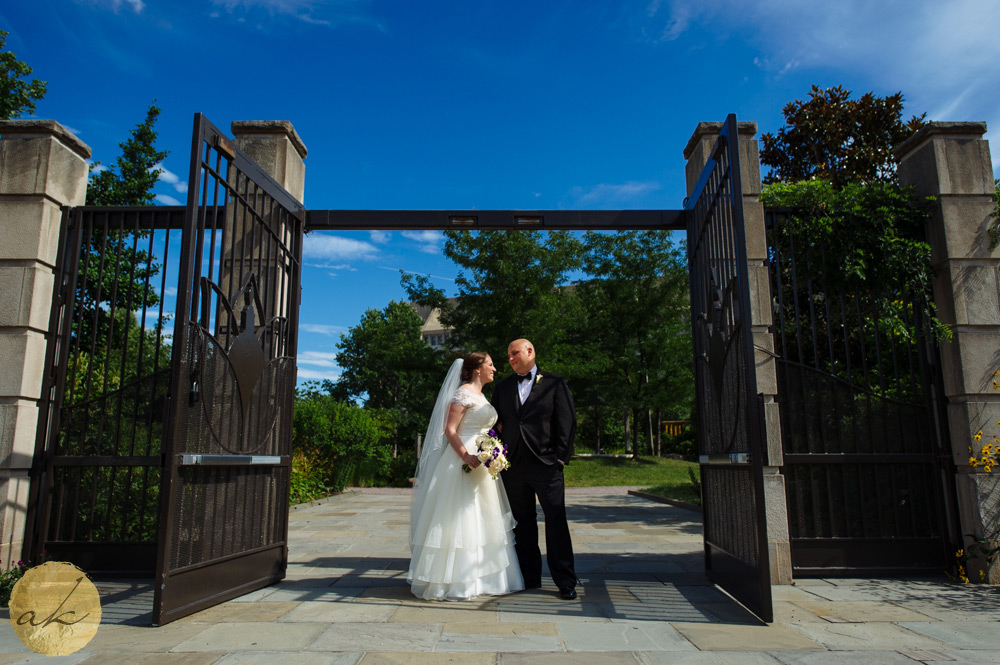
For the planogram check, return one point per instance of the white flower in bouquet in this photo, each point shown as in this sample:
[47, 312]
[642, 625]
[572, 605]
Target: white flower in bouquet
[492, 453]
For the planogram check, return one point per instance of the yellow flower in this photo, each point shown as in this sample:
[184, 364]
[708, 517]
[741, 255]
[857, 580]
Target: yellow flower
[987, 468]
[973, 461]
[982, 574]
[978, 436]
[959, 553]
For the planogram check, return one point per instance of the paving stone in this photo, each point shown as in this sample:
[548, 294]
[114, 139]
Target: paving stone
[623, 636]
[325, 594]
[722, 637]
[144, 639]
[864, 636]
[473, 637]
[575, 658]
[278, 658]
[340, 612]
[416, 637]
[965, 635]
[654, 612]
[971, 657]
[225, 637]
[241, 612]
[390, 658]
[862, 611]
[29, 658]
[443, 614]
[841, 658]
[552, 612]
[154, 659]
[706, 658]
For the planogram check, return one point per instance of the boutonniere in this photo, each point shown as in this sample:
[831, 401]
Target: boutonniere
[538, 379]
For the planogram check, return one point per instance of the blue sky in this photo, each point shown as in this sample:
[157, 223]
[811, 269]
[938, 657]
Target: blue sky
[492, 105]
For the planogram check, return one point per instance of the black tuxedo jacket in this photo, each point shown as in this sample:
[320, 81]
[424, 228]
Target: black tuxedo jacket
[544, 426]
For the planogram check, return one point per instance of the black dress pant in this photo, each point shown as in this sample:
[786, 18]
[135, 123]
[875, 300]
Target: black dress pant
[527, 479]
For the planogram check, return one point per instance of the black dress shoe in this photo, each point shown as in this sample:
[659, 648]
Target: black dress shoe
[567, 594]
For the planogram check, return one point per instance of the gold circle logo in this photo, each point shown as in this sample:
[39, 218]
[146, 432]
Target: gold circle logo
[55, 609]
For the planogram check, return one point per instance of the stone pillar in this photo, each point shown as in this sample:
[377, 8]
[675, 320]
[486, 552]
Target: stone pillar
[697, 153]
[277, 148]
[951, 161]
[42, 167]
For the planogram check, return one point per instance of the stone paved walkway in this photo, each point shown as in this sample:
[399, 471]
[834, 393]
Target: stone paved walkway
[644, 599]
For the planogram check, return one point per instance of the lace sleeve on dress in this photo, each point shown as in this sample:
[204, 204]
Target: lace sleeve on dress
[463, 398]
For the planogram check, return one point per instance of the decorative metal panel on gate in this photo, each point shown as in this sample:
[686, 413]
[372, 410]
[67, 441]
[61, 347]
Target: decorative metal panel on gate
[96, 473]
[867, 459]
[730, 433]
[224, 517]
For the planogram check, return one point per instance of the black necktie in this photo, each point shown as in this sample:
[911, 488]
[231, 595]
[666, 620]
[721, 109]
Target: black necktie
[524, 377]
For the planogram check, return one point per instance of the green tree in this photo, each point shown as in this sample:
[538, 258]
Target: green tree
[385, 362]
[509, 287]
[833, 137]
[635, 350]
[117, 268]
[336, 444]
[137, 174]
[17, 94]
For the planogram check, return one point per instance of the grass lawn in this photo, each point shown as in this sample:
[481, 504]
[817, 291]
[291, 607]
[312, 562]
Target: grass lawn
[665, 477]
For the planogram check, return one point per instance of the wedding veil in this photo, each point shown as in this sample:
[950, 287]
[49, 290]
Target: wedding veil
[434, 441]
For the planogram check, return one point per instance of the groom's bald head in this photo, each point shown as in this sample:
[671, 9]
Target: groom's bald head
[521, 356]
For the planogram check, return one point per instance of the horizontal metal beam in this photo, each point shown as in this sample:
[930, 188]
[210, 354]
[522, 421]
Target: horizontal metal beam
[407, 220]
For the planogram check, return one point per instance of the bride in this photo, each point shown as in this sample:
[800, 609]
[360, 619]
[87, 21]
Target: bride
[461, 529]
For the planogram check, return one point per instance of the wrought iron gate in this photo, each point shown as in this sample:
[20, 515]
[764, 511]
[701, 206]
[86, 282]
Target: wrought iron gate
[97, 464]
[730, 428]
[224, 508]
[867, 462]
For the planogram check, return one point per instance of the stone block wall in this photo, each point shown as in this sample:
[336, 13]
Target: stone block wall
[42, 167]
[951, 162]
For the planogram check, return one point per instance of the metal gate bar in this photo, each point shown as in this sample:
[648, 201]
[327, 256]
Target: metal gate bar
[865, 450]
[223, 522]
[96, 471]
[730, 424]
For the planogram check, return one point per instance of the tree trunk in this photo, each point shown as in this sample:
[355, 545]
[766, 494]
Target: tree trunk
[659, 432]
[628, 429]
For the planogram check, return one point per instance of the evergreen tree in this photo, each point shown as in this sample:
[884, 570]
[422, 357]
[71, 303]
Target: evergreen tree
[137, 172]
[17, 94]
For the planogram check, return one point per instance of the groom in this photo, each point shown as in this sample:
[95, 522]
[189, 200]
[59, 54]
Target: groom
[537, 423]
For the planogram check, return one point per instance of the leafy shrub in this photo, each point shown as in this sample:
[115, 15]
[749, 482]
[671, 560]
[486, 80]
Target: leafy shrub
[348, 445]
[8, 578]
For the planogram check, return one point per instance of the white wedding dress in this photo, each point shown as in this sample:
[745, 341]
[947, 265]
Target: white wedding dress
[461, 532]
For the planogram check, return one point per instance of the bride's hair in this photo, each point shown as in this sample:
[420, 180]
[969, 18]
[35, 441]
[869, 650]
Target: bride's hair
[473, 361]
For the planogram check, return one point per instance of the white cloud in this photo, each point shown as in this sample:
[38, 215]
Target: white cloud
[380, 237]
[942, 56]
[317, 358]
[171, 178]
[608, 196]
[413, 272]
[313, 375]
[322, 328]
[165, 200]
[315, 12]
[332, 266]
[337, 248]
[428, 242]
[115, 5]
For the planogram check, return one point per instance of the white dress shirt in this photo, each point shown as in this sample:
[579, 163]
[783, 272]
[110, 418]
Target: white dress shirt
[524, 387]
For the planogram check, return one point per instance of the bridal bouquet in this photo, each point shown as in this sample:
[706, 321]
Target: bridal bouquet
[492, 453]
